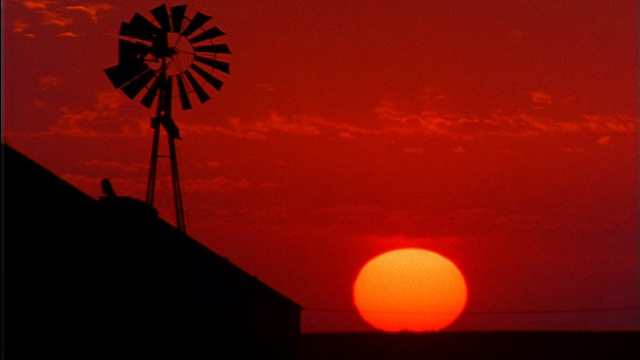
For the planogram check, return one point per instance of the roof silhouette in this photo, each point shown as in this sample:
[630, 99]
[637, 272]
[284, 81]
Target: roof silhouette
[88, 270]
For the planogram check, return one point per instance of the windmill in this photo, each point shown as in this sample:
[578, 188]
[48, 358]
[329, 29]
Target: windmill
[152, 53]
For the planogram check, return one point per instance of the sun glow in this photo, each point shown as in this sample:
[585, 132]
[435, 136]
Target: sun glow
[410, 290]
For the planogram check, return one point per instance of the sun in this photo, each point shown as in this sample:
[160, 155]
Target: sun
[410, 290]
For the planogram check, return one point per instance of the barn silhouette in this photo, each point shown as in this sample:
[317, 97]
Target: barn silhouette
[107, 278]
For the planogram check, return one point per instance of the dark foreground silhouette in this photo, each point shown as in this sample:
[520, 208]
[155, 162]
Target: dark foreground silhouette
[108, 279]
[472, 345]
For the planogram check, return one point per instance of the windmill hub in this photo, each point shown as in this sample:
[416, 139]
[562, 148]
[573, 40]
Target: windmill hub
[173, 46]
[178, 54]
[160, 47]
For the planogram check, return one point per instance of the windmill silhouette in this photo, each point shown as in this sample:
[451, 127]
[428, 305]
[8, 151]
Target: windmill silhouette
[174, 46]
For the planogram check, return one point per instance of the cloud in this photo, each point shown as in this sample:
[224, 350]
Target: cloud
[53, 14]
[391, 120]
[608, 123]
[47, 82]
[21, 26]
[91, 10]
[36, 5]
[604, 140]
[346, 135]
[302, 125]
[102, 120]
[47, 15]
[217, 184]
[55, 19]
[276, 123]
[540, 98]
[394, 121]
[68, 34]
[299, 124]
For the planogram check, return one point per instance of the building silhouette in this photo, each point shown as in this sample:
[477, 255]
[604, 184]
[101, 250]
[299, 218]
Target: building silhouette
[107, 278]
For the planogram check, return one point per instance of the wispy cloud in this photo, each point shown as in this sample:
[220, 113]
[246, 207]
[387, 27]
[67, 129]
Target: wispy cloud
[608, 123]
[68, 34]
[53, 14]
[277, 123]
[604, 140]
[396, 121]
[540, 98]
[55, 19]
[91, 10]
[41, 13]
[22, 27]
[47, 82]
[217, 184]
[390, 120]
[36, 5]
[102, 120]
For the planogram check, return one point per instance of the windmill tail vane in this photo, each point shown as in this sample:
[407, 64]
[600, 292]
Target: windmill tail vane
[151, 54]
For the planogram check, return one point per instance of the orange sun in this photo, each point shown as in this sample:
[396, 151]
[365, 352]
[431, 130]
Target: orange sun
[410, 290]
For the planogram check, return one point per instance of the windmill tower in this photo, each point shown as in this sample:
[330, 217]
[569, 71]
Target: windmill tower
[152, 53]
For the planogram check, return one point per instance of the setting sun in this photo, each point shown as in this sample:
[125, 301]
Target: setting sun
[410, 290]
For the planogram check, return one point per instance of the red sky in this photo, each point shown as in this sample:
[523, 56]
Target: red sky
[501, 134]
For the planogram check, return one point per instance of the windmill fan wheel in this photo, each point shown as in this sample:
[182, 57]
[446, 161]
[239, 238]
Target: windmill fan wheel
[153, 53]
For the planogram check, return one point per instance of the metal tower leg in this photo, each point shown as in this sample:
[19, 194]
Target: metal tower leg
[151, 182]
[177, 196]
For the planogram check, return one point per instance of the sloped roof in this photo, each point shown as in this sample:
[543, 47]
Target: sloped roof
[129, 229]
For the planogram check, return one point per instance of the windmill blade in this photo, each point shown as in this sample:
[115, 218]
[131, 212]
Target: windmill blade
[136, 85]
[148, 98]
[162, 15]
[128, 30]
[216, 49]
[177, 15]
[142, 25]
[202, 95]
[198, 20]
[122, 74]
[184, 96]
[214, 81]
[218, 65]
[212, 33]
[132, 52]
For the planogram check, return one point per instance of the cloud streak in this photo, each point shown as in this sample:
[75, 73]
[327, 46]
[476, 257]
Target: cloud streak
[49, 14]
[102, 120]
[522, 124]
[217, 184]
[91, 10]
[390, 120]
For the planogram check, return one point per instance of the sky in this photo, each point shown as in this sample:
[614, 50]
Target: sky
[500, 134]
